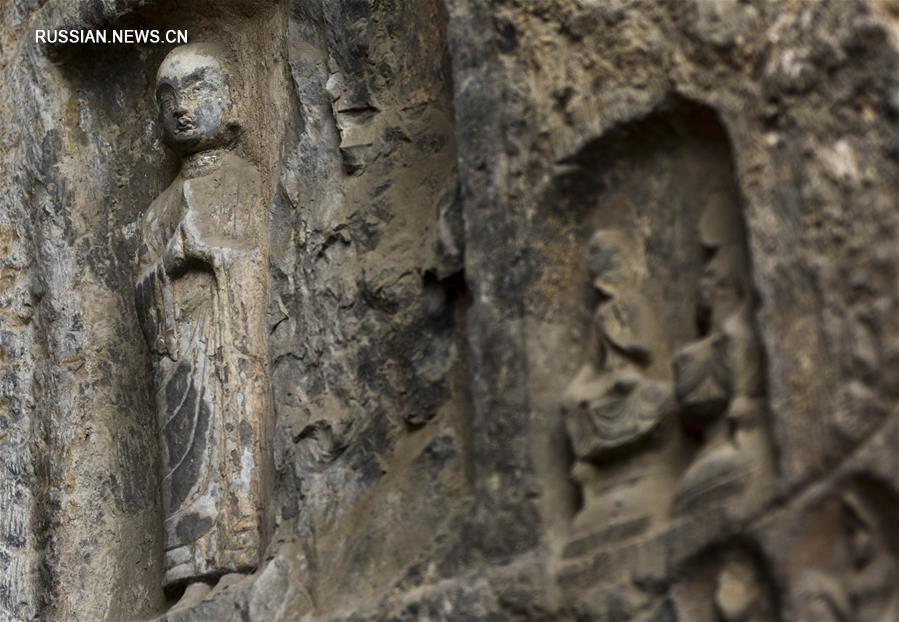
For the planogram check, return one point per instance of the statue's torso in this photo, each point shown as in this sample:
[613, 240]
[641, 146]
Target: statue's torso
[205, 322]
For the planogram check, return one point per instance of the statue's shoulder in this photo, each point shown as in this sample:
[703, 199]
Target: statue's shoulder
[241, 170]
[160, 204]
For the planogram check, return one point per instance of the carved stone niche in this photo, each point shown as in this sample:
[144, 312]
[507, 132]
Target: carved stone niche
[842, 554]
[202, 292]
[116, 166]
[666, 416]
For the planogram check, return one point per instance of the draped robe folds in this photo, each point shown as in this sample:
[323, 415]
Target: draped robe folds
[202, 293]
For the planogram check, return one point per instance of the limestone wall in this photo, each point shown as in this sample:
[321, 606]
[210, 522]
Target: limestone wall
[579, 310]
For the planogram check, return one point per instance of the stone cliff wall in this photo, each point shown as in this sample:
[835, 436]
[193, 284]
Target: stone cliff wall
[579, 310]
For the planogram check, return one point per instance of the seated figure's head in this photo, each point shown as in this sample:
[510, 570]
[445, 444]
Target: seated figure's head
[194, 98]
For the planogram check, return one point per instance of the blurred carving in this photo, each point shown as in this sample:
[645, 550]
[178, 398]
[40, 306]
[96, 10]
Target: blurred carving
[719, 378]
[616, 407]
[728, 583]
[845, 567]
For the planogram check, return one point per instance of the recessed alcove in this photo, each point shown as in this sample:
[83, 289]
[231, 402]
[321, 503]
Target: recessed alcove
[652, 180]
[112, 164]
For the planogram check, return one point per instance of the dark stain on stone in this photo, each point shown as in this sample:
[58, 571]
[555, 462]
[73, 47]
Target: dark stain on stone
[185, 475]
[192, 526]
[507, 39]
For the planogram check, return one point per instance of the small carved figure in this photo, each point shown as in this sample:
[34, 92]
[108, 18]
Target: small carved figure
[620, 398]
[718, 379]
[724, 584]
[741, 594]
[201, 295]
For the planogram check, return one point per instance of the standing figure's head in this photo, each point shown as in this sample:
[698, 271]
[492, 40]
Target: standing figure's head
[611, 262]
[194, 98]
[725, 282]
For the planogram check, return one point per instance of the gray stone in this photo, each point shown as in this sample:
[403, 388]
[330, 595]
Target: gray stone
[201, 286]
[553, 310]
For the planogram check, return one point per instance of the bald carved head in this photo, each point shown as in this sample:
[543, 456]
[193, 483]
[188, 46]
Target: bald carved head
[194, 97]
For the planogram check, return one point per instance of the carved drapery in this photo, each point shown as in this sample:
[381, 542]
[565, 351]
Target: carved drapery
[201, 295]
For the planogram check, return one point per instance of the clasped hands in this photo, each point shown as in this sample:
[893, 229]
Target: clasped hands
[188, 245]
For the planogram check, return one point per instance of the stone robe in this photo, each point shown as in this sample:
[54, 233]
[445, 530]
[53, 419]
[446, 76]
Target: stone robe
[202, 292]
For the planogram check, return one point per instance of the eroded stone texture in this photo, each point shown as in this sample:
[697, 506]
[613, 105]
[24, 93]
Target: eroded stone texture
[577, 310]
[671, 95]
[673, 416]
[621, 398]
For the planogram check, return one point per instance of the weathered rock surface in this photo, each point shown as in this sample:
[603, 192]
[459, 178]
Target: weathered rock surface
[577, 310]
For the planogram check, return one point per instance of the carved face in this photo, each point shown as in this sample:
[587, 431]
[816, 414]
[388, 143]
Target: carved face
[194, 100]
[610, 262]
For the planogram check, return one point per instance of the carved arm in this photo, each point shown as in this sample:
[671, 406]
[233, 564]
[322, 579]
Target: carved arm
[189, 244]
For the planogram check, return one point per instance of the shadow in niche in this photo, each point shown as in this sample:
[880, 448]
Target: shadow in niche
[660, 195]
[451, 299]
[458, 303]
